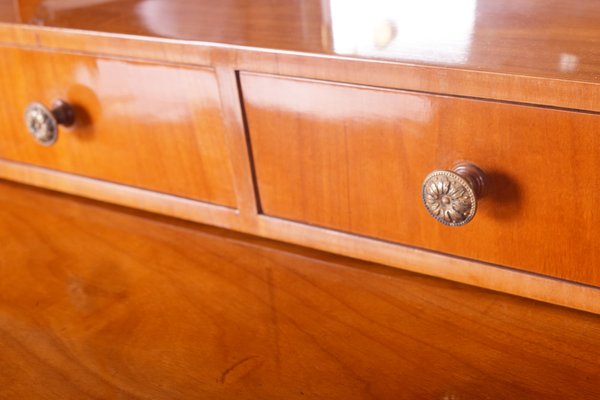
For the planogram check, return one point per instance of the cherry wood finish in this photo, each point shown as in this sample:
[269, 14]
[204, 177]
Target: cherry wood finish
[237, 142]
[9, 11]
[458, 269]
[99, 302]
[354, 159]
[550, 38]
[268, 26]
[291, 25]
[438, 79]
[146, 125]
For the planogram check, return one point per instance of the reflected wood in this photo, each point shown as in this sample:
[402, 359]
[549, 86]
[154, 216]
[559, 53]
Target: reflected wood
[119, 304]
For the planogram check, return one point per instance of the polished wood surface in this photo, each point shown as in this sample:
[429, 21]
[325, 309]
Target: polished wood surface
[549, 38]
[237, 142]
[354, 159]
[9, 11]
[177, 52]
[116, 304]
[458, 269]
[147, 125]
[428, 78]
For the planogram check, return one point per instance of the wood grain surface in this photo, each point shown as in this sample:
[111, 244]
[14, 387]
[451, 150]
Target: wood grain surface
[99, 302]
[9, 11]
[535, 89]
[458, 269]
[550, 38]
[146, 125]
[556, 68]
[354, 159]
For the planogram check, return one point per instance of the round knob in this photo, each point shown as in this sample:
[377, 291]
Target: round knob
[43, 123]
[451, 196]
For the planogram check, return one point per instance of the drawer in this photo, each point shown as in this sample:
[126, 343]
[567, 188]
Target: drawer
[145, 125]
[354, 159]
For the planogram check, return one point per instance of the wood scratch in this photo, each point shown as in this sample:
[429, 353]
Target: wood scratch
[229, 370]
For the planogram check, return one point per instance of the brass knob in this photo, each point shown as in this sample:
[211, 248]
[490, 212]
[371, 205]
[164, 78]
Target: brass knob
[451, 196]
[43, 123]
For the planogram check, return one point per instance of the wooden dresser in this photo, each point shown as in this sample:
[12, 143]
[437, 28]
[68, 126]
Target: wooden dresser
[316, 199]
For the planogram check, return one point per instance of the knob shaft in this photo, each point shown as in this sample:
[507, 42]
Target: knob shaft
[43, 123]
[451, 196]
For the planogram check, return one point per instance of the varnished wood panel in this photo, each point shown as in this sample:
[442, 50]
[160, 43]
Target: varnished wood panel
[549, 38]
[9, 11]
[438, 79]
[237, 142]
[359, 68]
[152, 126]
[260, 23]
[458, 269]
[354, 158]
[113, 304]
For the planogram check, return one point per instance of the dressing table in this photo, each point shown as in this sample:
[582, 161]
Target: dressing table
[299, 199]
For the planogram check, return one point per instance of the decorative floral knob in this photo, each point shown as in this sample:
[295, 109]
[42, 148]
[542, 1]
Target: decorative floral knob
[43, 123]
[451, 196]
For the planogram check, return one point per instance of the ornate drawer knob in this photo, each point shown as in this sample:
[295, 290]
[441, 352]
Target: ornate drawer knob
[451, 196]
[43, 123]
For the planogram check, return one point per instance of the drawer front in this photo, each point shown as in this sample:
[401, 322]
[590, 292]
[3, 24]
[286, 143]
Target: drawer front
[146, 125]
[354, 159]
